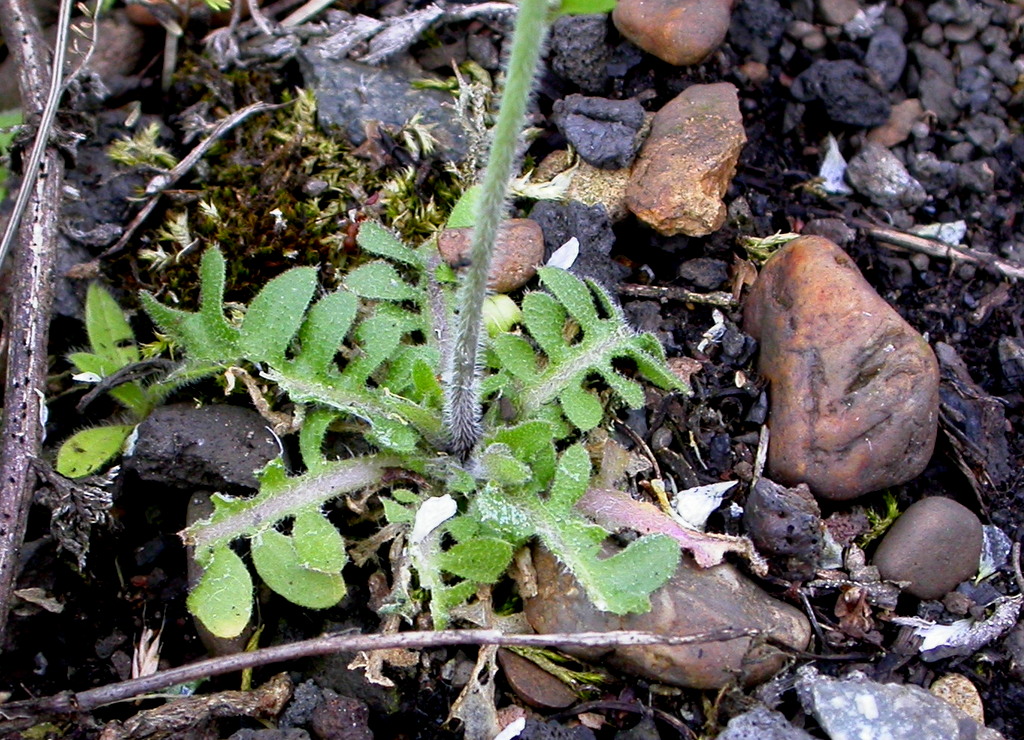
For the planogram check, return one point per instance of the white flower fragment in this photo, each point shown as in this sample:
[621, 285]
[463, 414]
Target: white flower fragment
[965, 636]
[565, 255]
[833, 169]
[86, 377]
[694, 505]
[432, 513]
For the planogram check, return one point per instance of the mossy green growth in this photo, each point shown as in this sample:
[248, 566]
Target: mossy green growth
[370, 353]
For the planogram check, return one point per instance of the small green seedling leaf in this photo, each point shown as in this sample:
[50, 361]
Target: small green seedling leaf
[463, 213]
[482, 560]
[378, 241]
[501, 466]
[109, 334]
[275, 314]
[223, 599]
[281, 566]
[586, 7]
[89, 450]
[319, 545]
[379, 281]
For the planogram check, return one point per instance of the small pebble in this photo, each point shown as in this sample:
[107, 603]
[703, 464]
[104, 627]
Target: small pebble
[520, 249]
[934, 545]
[959, 691]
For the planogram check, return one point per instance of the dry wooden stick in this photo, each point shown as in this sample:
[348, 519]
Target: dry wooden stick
[935, 248]
[85, 701]
[31, 297]
[675, 293]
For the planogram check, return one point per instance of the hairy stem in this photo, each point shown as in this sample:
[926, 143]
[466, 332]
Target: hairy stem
[462, 397]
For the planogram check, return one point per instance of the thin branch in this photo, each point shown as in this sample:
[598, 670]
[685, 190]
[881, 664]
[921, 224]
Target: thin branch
[675, 293]
[161, 182]
[85, 701]
[31, 294]
[49, 114]
[941, 250]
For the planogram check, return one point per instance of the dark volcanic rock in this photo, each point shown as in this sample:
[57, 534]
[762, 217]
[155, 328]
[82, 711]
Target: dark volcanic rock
[854, 388]
[579, 50]
[886, 56]
[604, 132]
[217, 447]
[592, 227]
[845, 89]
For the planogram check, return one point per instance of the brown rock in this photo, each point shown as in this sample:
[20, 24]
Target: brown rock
[679, 32]
[694, 600]
[901, 120]
[854, 389]
[533, 684]
[958, 690]
[519, 250]
[837, 12]
[935, 545]
[687, 162]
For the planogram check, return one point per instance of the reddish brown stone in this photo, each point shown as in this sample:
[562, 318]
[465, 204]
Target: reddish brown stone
[854, 388]
[694, 600]
[680, 32]
[688, 161]
[519, 250]
[934, 546]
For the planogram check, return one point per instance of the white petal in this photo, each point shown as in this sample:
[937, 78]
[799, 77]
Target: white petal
[565, 255]
[432, 514]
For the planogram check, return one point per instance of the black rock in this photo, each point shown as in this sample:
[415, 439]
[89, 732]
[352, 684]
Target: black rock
[218, 447]
[756, 27]
[579, 50]
[592, 227]
[886, 56]
[603, 131]
[845, 89]
[704, 272]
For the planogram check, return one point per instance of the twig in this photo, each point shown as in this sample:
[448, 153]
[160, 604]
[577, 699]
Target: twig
[31, 294]
[675, 293]
[935, 248]
[56, 89]
[164, 180]
[85, 701]
[1017, 575]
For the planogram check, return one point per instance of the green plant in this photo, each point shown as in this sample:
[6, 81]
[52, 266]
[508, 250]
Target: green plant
[495, 449]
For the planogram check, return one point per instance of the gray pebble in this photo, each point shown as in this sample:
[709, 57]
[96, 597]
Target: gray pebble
[887, 56]
[762, 723]
[878, 174]
[844, 88]
[1003, 68]
[937, 176]
[603, 131]
[958, 33]
[932, 35]
[935, 545]
[986, 132]
[992, 37]
[960, 152]
[976, 177]
[970, 54]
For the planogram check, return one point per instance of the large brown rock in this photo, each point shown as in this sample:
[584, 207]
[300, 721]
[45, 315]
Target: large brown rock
[694, 600]
[934, 545]
[688, 161]
[679, 32]
[854, 389]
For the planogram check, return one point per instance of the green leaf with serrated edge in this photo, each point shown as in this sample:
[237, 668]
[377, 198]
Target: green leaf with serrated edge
[222, 600]
[379, 281]
[581, 407]
[405, 496]
[628, 390]
[378, 241]
[378, 337]
[110, 335]
[275, 315]
[586, 7]
[319, 545]
[395, 513]
[425, 382]
[311, 437]
[282, 496]
[211, 304]
[463, 213]
[572, 293]
[533, 443]
[483, 560]
[89, 450]
[653, 368]
[571, 478]
[462, 528]
[322, 333]
[500, 466]
[516, 356]
[280, 566]
[544, 318]
[393, 434]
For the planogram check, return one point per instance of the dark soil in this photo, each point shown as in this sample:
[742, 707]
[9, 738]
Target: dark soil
[135, 574]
